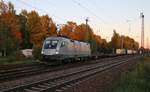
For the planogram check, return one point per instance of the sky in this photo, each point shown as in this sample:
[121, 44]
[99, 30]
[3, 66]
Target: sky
[104, 15]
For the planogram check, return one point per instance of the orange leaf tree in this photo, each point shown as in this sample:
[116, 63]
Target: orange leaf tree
[35, 28]
[11, 36]
[67, 30]
[48, 26]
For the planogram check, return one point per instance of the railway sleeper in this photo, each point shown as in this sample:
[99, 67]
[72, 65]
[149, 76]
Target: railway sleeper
[37, 88]
[58, 90]
[29, 90]
[43, 86]
[58, 85]
[66, 87]
[46, 84]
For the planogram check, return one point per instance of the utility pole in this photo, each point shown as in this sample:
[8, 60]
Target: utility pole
[129, 24]
[147, 42]
[86, 20]
[122, 41]
[59, 27]
[142, 30]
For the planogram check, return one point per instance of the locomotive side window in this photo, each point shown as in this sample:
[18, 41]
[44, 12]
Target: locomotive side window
[63, 44]
[50, 44]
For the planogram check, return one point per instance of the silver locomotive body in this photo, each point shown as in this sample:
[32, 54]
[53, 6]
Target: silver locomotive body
[61, 48]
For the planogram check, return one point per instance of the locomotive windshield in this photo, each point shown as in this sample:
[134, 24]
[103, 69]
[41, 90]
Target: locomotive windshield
[50, 44]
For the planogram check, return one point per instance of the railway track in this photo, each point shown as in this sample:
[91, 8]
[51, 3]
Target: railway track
[15, 72]
[23, 71]
[9, 67]
[68, 77]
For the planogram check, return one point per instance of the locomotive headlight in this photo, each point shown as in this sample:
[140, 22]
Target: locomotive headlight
[56, 52]
[42, 52]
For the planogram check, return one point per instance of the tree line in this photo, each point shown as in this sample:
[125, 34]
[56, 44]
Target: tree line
[29, 29]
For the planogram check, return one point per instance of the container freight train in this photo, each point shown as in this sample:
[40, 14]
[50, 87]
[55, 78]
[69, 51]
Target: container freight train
[64, 49]
[125, 51]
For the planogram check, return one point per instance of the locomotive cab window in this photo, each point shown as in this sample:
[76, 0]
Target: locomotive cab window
[51, 44]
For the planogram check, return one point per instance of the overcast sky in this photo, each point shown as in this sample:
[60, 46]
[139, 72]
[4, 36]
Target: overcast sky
[104, 15]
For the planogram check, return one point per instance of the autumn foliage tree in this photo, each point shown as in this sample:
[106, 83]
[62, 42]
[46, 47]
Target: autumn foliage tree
[83, 32]
[35, 28]
[48, 26]
[11, 36]
[24, 30]
[101, 44]
[13, 25]
[67, 30]
[125, 42]
[115, 40]
[40, 27]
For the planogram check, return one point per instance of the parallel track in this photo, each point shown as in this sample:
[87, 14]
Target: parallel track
[23, 71]
[16, 72]
[66, 78]
[14, 66]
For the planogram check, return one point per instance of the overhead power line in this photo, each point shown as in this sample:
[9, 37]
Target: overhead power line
[41, 10]
[92, 13]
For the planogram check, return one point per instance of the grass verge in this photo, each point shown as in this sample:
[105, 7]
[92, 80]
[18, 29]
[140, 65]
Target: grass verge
[137, 80]
[12, 60]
